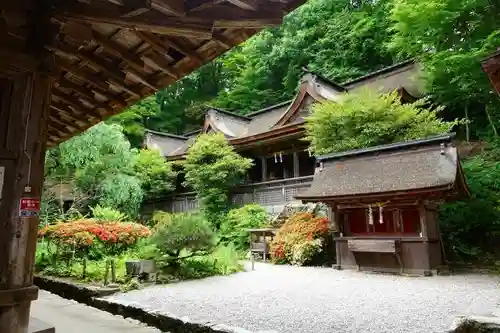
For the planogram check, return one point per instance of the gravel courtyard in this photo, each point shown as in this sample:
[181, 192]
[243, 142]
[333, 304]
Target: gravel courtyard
[318, 300]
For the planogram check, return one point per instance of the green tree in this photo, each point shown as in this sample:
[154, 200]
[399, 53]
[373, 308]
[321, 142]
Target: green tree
[471, 228]
[213, 168]
[174, 233]
[369, 119]
[134, 118]
[99, 163]
[155, 173]
[450, 38]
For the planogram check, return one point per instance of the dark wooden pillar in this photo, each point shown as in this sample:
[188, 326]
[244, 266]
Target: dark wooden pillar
[296, 164]
[263, 161]
[25, 76]
[25, 100]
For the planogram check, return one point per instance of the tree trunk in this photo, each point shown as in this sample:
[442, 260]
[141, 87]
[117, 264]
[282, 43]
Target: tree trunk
[467, 129]
[490, 120]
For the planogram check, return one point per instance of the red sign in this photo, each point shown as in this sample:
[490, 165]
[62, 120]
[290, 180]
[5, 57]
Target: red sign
[29, 207]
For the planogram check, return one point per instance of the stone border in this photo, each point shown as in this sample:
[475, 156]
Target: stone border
[163, 322]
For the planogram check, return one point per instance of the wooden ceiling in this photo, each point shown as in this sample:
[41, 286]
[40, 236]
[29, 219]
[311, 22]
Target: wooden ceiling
[108, 54]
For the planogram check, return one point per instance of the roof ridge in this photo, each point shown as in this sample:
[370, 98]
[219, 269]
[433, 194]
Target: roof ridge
[380, 71]
[324, 79]
[268, 108]
[166, 134]
[390, 146]
[228, 112]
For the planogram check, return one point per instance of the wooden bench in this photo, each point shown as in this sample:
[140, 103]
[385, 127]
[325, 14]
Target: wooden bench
[376, 246]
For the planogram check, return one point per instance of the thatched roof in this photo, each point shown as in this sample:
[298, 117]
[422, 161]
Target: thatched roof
[426, 165]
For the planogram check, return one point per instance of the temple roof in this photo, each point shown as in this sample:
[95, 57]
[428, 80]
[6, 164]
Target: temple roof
[271, 121]
[418, 166]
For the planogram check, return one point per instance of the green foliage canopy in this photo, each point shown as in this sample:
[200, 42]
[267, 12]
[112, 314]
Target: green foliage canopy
[450, 38]
[369, 119]
[105, 170]
[238, 220]
[212, 168]
[156, 174]
[183, 231]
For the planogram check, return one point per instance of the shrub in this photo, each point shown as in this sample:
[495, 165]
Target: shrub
[107, 214]
[370, 119]
[84, 233]
[183, 231]
[234, 228]
[299, 239]
[223, 261]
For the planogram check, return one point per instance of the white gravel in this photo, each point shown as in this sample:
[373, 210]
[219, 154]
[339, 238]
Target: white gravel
[319, 300]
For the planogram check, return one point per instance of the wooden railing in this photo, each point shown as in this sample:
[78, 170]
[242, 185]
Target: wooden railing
[272, 194]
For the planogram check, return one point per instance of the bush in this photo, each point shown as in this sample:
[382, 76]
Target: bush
[234, 228]
[81, 234]
[300, 239]
[370, 119]
[183, 231]
[107, 214]
[223, 261]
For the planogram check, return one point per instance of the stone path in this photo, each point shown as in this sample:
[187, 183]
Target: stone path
[317, 300]
[71, 317]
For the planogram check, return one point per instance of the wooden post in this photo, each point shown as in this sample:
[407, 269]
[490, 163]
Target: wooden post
[263, 161]
[113, 271]
[296, 164]
[106, 273]
[84, 272]
[23, 161]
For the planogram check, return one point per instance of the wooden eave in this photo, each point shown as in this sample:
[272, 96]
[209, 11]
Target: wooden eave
[374, 197]
[105, 55]
[491, 66]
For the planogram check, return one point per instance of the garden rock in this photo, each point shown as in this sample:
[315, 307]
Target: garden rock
[473, 324]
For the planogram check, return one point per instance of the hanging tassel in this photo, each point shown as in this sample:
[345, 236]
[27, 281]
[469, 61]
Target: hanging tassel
[309, 151]
[381, 214]
[275, 158]
[370, 217]
[281, 157]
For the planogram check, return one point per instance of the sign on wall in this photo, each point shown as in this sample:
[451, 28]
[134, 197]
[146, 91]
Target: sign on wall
[29, 207]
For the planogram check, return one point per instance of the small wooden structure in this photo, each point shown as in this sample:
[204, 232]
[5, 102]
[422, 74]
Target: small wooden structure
[385, 201]
[260, 241]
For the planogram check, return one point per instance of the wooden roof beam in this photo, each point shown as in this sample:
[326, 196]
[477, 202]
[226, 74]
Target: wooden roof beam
[76, 105]
[151, 21]
[175, 7]
[92, 79]
[63, 110]
[162, 46]
[89, 93]
[130, 58]
[108, 68]
[245, 4]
